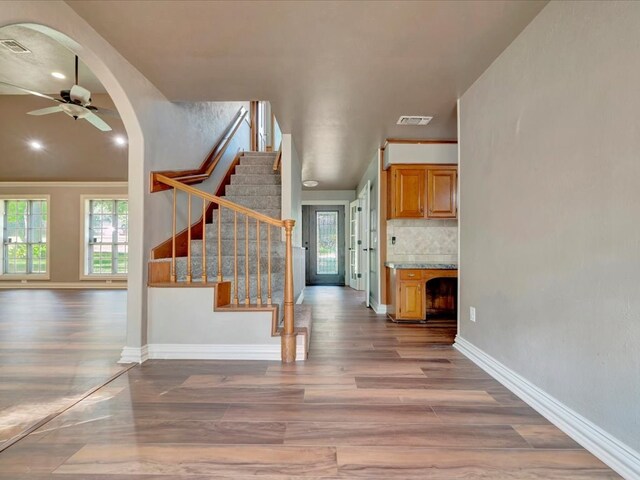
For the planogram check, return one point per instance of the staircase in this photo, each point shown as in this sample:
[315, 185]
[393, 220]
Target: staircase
[254, 184]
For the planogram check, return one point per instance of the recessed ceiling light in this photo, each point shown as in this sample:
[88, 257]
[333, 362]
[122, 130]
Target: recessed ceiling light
[58, 75]
[120, 140]
[310, 183]
[35, 145]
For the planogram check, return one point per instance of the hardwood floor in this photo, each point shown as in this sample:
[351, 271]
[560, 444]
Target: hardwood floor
[55, 345]
[375, 400]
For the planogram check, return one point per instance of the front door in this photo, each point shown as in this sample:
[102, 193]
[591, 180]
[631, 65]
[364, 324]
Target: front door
[323, 237]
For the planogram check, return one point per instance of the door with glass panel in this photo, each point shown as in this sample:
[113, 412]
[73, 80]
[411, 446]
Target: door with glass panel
[323, 237]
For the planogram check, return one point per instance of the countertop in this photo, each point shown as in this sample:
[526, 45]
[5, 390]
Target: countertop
[425, 266]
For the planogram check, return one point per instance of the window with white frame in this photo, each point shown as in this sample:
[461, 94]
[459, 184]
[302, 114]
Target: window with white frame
[107, 236]
[24, 236]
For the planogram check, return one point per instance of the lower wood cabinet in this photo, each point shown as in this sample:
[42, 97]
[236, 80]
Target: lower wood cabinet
[411, 296]
[409, 292]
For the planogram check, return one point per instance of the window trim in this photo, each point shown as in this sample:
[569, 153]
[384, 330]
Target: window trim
[26, 276]
[84, 236]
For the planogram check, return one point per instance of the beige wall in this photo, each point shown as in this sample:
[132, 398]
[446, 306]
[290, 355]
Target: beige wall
[550, 201]
[65, 228]
[73, 149]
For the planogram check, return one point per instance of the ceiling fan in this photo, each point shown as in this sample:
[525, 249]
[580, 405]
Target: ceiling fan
[75, 102]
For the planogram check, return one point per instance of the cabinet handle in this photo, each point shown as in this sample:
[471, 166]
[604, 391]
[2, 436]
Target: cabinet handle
[411, 275]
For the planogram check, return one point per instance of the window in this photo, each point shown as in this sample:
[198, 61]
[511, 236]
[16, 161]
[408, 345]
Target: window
[24, 236]
[107, 237]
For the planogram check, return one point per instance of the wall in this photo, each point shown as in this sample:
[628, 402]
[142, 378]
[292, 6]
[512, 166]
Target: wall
[291, 170]
[333, 195]
[73, 150]
[445, 153]
[550, 249]
[422, 241]
[65, 225]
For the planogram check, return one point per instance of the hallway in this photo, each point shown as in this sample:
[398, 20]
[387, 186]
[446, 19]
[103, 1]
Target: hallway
[375, 400]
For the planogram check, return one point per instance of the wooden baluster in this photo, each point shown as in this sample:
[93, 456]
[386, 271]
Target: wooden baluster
[219, 243]
[268, 264]
[288, 336]
[173, 240]
[235, 257]
[247, 295]
[189, 238]
[259, 300]
[204, 241]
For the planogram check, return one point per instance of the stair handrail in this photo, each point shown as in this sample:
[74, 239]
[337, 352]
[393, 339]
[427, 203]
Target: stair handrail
[204, 171]
[288, 336]
[276, 162]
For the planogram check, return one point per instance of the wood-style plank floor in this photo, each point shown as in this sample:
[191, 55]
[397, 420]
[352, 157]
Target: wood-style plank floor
[375, 400]
[55, 345]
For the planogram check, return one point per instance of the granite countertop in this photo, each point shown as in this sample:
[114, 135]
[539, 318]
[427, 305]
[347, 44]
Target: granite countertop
[425, 266]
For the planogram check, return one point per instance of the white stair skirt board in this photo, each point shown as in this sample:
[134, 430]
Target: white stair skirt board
[300, 297]
[168, 351]
[617, 455]
[134, 354]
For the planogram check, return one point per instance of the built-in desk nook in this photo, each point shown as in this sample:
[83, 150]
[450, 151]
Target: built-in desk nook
[418, 290]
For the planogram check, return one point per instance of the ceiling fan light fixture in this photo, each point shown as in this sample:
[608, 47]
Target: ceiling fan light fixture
[58, 75]
[35, 145]
[120, 140]
[310, 183]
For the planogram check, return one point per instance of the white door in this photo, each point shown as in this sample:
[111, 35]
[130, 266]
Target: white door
[354, 219]
[363, 197]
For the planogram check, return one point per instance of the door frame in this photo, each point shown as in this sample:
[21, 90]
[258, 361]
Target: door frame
[347, 218]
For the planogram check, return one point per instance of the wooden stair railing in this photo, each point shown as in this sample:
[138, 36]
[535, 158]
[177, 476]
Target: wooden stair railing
[203, 172]
[288, 336]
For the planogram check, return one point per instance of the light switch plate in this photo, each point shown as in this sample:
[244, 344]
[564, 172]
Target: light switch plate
[472, 314]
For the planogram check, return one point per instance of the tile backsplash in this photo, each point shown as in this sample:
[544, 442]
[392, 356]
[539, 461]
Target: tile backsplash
[422, 241]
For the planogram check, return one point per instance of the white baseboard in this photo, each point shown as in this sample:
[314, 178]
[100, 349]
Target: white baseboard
[44, 285]
[300, 297]
[617, 455]
[134, 354]
[378, 308]
[174, 351]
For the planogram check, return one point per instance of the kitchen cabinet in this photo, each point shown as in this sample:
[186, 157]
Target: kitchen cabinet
[442, 193]
[409, 193]
[423, 191]
[409, 292]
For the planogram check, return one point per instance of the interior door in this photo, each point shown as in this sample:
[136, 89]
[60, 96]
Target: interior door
[323, 237]
[354, 256]
[363, 198]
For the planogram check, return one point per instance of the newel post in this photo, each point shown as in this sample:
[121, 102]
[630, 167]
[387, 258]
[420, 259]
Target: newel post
[288, 336]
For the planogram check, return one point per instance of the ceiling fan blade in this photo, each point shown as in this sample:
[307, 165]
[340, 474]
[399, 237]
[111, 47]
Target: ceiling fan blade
[32, 92]
[104, 111]
[46, 111]
[97, 122]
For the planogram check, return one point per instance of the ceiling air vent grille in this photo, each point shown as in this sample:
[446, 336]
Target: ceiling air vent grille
[14, 46]
[413, 120]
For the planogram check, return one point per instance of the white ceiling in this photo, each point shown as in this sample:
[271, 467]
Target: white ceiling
[338, 73]
[33, 70]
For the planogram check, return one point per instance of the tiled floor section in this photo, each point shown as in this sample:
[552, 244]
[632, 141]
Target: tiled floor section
[55, 345]
[375, 400]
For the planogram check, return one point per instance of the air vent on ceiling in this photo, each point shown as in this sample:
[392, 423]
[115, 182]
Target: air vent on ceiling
[14, 46]
[413, 120]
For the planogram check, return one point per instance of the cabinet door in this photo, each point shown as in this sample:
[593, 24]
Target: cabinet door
[442, 193]
[409, 193]
[411, 300]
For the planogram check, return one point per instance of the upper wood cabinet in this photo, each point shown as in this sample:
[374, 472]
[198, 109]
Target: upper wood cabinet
[423, 191]
[409, 193]
[441, 193]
